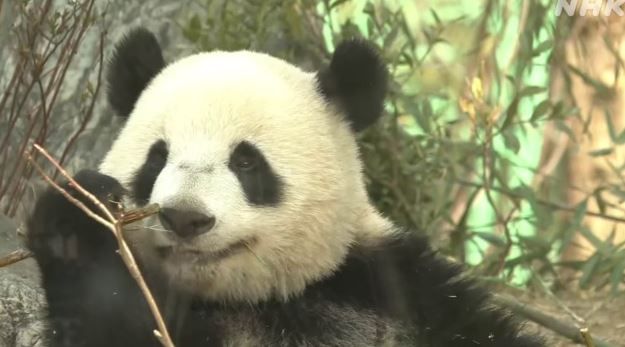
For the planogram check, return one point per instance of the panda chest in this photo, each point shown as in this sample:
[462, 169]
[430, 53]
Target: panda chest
[301, 324]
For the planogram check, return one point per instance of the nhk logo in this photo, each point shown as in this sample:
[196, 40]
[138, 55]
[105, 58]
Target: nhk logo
[590, 7]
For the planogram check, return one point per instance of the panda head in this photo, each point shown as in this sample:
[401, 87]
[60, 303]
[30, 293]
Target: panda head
[253, 162]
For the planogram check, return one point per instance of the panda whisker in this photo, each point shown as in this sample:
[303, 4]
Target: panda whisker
[155, 228]
[149, 227]
[246, 245]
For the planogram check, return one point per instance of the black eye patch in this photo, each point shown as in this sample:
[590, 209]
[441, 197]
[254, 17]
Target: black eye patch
[261, 185]
[144, 178]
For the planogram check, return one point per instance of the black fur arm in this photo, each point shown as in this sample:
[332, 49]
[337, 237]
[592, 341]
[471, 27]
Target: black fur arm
[406, 280]
[92, 300]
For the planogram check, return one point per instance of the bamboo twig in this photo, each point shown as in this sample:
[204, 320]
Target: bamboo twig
[128, 217]
[546, 203]
[14, 257]
[115, 226]
[587, 337]
[552, 323]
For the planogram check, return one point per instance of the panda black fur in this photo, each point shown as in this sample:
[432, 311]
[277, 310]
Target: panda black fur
[268, 237]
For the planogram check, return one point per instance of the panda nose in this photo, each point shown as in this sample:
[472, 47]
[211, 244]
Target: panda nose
[186, 223]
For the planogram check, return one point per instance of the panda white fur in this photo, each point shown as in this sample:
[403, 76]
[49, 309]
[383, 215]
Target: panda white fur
[266, 236]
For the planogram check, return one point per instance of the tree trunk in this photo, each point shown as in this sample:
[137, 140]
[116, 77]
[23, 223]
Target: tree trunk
[589, 75]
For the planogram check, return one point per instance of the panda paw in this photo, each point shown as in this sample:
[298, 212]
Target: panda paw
[59, 230]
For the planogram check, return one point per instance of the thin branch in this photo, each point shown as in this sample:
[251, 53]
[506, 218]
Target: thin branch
[43, 52]
[587, 337]
[89, 113]
[75, 185]
[545, 203]
[578, 319]
[68, 196]
[127, 217]
[115, 226]
[552, 323]
[14, 257]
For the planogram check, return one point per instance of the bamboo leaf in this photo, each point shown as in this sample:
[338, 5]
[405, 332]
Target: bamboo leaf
[543, 47]
[588, 270]
[618, 272]
[437, 19]
[594, 240]
[562, 126]
[491, 238]
[511, 141]
[541, 110]
[601, 152]
[531, 90]
[511, 113]
[337, 3]
[598, 85]
[575, 224]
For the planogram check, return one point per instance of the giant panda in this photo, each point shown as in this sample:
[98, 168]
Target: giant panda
[265, 235]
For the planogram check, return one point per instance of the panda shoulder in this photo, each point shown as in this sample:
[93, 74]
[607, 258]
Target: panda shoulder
[401, 263]
[404, 278]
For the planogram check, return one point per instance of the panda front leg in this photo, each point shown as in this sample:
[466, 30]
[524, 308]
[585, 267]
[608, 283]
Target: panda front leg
[92, 299]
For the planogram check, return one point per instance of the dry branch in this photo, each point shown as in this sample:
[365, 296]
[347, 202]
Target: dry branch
[587, 337]
[127, 217]
[115, 226]
[43, 44]
[552, 323]
[546, 203]
[14, 257]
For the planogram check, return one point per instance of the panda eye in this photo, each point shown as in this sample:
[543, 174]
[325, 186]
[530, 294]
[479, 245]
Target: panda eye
[246, 162]
[261, 185]
[245, 158]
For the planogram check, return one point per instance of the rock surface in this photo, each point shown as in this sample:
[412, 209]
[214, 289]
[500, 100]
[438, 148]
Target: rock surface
[21, 299]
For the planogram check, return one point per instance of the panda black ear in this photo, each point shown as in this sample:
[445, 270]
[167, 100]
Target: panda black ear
[137, 58]
[357, 80]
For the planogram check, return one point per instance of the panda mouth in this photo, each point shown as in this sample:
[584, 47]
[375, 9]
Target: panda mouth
[194, 255]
